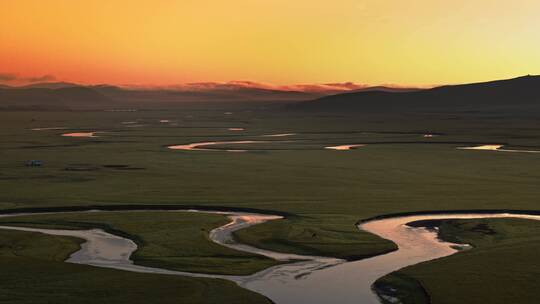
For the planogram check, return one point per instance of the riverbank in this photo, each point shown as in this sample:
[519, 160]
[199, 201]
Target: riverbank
[280, 283]
[497, 268]
[327, 190]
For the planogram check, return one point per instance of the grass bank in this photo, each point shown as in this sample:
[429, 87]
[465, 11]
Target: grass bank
[33, 271]
[170, 240]
[500, 267]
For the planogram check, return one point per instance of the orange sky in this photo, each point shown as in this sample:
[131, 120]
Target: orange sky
[161, 42]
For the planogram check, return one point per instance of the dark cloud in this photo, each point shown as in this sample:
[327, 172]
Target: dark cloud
[326, 88]
[346, 85]
[7, 77]
[43, 78]
[11, 77]
[231, 85]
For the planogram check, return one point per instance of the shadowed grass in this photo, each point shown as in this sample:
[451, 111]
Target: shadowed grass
[32, 272]
[328, 190]
[170, 240]
[335, 238]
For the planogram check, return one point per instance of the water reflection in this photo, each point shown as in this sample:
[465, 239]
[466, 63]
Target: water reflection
[344, 147]
[80, 134]
[200, 146]
[314, 280]
[498, 148]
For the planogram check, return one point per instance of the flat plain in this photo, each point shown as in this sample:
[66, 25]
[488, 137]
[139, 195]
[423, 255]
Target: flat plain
[325, 192]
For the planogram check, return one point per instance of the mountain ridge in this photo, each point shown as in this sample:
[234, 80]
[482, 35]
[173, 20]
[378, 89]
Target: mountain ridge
[518, 91]
[46, 98]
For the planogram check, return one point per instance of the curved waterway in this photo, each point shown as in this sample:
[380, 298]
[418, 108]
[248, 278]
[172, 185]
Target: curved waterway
[344, 147]
[80, 134]
[307, 279]
[201, 146]
[498, 148]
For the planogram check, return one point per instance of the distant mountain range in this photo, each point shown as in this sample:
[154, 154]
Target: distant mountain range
[44, 98]
[385, 89]
[50, 85]
[523, 92]
[239, 94]
[64, 95]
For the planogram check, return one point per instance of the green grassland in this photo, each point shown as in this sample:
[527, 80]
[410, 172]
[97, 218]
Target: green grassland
[33, 272]
[171, 240]
[328, 191]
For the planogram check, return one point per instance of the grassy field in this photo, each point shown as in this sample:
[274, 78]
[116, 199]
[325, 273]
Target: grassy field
[171, 240]
[501, 267]
[329, 191]
[33, 272]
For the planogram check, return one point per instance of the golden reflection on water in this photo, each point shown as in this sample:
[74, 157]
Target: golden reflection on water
[498, 148]
[344, 147]
[199, 146]
[80, 134]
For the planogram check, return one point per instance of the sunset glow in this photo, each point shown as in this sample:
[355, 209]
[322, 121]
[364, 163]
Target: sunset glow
[164, 42]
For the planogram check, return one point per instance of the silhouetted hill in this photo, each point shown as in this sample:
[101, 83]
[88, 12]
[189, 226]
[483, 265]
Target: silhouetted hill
[126, 95]
[386, 89]
[40, 98]
[517, 93]
[236, 91]
[50, 85]
[248, 94]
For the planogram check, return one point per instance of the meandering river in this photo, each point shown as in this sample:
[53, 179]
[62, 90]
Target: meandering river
[80, 134]
[344, 147]
[311, 279]
[200, 146]
[498, 148]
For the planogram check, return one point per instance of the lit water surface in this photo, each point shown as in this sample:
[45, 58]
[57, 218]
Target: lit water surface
[314, 280]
